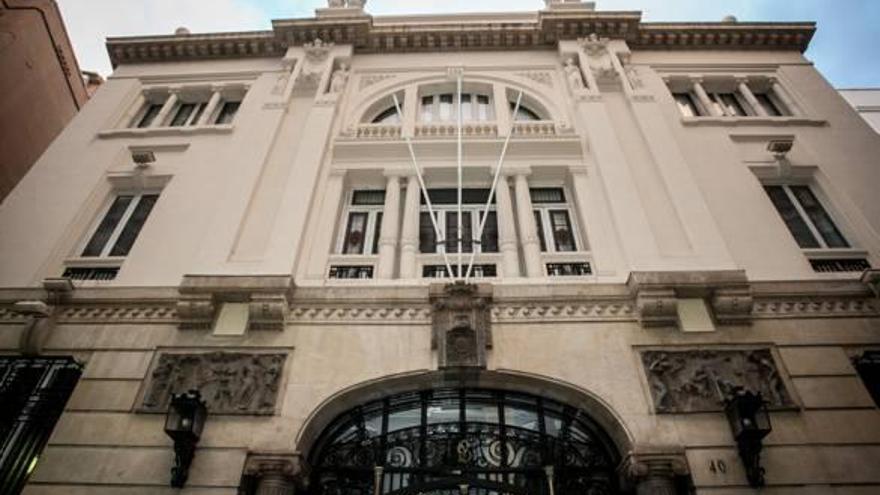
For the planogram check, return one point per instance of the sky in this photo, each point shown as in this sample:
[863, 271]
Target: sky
[846, 47]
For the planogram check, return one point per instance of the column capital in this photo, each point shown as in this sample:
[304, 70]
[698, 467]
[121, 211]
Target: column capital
[262, 463]
[578, 169]
[653, 469]
[397, 173]
[337, 172]
[516, 171]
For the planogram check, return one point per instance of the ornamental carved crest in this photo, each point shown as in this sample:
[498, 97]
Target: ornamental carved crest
[230, 382]
[461, 324]
[699, 380]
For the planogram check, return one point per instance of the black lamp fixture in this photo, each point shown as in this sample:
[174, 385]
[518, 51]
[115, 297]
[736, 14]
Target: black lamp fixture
[184, 423]
[750, 423]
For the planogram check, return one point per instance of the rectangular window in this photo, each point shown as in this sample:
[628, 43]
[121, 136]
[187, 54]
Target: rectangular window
[577, 269]
[553, 219]
[805, 217]
[350, 272]
[686, 104]
[477, 271]
[484, 111]
[467, 110]
[117, 231]
[363, 222]
[445, 204]
[150, 114]
[427, 108]
[227, 112]
[445, 107]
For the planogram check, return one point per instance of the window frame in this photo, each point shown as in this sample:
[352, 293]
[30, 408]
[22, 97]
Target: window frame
[545, 228]
[118, 228]
[371, 228]
[805, 217]
[441, 210]
[474, 111]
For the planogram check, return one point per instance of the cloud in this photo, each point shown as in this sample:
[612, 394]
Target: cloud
[90, 22]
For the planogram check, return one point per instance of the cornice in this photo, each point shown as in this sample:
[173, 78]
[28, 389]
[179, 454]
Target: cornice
[461, 32]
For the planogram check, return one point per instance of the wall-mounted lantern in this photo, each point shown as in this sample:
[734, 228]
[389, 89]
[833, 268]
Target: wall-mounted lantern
[184, 423]
[750, 423]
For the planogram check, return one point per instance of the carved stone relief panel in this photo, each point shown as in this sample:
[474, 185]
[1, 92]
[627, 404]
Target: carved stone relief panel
[699, 380]
[461, 324]
[230, 382]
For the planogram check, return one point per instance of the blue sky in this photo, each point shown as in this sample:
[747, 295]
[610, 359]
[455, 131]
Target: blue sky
[846, 48]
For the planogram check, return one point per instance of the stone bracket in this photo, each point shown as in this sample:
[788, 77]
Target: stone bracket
[201, 296]
[726, 292]
[461, 324]
[274, 473]
[652, 470]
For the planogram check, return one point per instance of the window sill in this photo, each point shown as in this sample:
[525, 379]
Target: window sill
[830, 253]
[166, 131]
[752, 121]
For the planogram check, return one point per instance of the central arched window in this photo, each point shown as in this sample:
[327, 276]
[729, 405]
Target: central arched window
[464, 441]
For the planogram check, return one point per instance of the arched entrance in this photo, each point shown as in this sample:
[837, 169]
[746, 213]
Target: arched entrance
[456, 439]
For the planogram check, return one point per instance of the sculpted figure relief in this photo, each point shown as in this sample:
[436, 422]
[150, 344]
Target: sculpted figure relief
[230, 382]
[339, 78]
[573, 74]
[699, 380]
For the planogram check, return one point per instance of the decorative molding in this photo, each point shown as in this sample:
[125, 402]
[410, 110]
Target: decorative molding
[352, 313]
[10, 315]
[653, 470]
[543, 78]
[371, 79]
[461, 325]
[113, 313]
[230, 382]
[815, 307]
[698, 380]
[620, 309]
[201, 296]
[481, 32]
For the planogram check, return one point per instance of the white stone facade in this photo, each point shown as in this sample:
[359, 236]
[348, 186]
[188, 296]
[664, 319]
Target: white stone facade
[667, 236]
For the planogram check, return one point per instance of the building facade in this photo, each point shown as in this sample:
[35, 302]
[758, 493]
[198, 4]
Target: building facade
[41, 85]
[866, 101]
[564, 251]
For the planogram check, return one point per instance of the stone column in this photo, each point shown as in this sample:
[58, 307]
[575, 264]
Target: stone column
[744, 89]
[388, 231]
[704, 99]
[653, 471]
[506, 229]
[503, 117]
[275, 474]
[528, 232]
[169, 105]
[210, 107]
[782, 96]
[409, 236]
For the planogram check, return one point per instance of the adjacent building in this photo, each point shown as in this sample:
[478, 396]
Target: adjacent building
[866, 101]
[553, 252]
[41, 85]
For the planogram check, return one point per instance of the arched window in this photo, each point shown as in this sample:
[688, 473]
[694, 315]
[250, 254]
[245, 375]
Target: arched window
[442, 107]
[387, 116]
[523, 112]
[453, 441]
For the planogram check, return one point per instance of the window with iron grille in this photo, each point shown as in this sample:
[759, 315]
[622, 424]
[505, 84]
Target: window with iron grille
[33, 392]
[445, 205]
[477, 271]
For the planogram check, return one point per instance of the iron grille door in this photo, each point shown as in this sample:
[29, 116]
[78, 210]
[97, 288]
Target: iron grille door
[33, 392]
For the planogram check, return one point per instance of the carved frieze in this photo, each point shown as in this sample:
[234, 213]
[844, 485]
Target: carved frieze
[461, 324]
[230, 382]
[699, 380]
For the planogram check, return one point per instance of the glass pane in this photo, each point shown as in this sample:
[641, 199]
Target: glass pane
[521, 418]
[427, 236]
[539, 226]
[547, 195]
[354, 233]
[731, 104]
[427, 108]
[133, 226]
[770, 107]
[388, 116]
[489, 239]
[227, 113]
[376, 197]
[796, 225]
[377, 229]
[446, 107]
[449, 196]
[820, 218]
[467, 109]
[199, 111]
[484, 111]
[563, 236]
[182, 115]
[483, 413]
[408, 418]
[444, 411]
[107, 226]
[150, 115]
[523, 113]
[452, 233]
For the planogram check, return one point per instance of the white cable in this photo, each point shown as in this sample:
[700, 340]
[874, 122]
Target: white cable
[459, 170]
[494, 185]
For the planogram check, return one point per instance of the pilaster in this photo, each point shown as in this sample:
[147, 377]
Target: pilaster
[653, 470]
[409, 236]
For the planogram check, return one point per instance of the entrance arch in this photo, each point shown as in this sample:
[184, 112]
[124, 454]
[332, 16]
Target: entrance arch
[488, 434]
